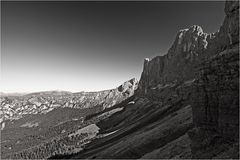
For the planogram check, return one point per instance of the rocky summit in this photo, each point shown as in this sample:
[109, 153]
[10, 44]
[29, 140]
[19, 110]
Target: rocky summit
[185, 106]
[178, 64]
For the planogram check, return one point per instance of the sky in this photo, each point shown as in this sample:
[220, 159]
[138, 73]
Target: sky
[91, 46]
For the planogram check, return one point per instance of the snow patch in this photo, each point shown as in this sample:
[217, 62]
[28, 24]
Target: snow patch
[147, 59]
[107, 134]
[109, 113]
[132, 102]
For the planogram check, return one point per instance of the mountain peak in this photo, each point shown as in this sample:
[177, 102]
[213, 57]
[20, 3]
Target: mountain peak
[130, 84]
[193, 28]
[190, 47]
[133, 81]
[191, 39]
[177, 64]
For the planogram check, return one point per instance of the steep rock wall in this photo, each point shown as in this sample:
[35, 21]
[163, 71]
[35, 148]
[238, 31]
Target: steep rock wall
[211, 63]
[178, 64]
[190, 48]
[215, 99]
[216, 94]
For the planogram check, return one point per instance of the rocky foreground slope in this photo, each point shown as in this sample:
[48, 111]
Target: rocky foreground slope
[186, 104]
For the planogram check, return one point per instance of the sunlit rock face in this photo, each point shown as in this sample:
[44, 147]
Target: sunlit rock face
[191, 40]
[121, 93]
[152, 73]
[177, 64]
[191, 46]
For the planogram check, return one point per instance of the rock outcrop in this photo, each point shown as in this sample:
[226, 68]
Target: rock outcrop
[216, 93]
[211, 63]
[107, 98]
[229, 31]
[215, 104]
[178, 64]
[190, 47]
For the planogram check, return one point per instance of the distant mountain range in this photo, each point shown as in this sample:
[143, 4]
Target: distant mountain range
[50, 93]
[2, 94]
[42, 102]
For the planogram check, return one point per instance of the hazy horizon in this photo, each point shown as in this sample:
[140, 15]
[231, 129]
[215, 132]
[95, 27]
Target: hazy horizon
[90, 46]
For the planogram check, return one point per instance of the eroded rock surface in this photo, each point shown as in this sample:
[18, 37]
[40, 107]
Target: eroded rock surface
[178, 64]
[216, 93]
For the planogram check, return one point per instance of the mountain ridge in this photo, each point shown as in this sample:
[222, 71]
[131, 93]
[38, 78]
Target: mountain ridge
[43, 102]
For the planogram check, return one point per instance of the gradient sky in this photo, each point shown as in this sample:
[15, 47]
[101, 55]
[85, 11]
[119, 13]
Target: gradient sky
[90, 46]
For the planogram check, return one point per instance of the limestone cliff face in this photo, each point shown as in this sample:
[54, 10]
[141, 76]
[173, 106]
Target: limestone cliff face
[190, 47]
[211, 61]
[215, 100]
[217, 85]
[178, 64]
[228, 33]
[215, 105]
[152, 73]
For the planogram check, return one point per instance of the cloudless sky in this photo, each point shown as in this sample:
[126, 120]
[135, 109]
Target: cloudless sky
[91, 46]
